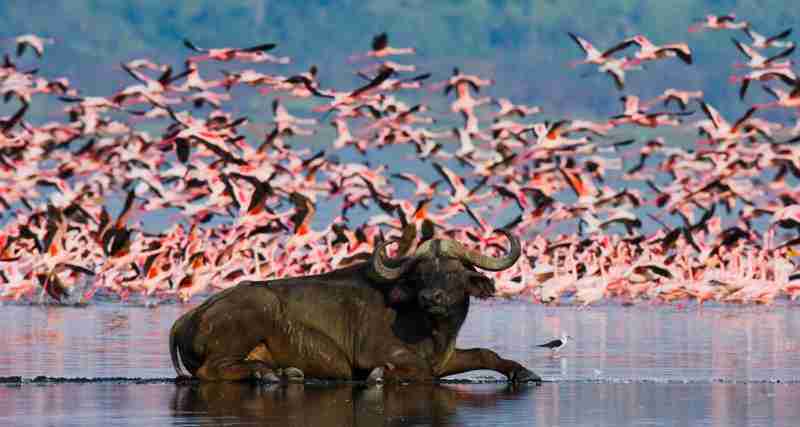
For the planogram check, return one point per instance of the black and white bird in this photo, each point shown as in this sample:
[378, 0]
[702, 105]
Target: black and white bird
[557, 344]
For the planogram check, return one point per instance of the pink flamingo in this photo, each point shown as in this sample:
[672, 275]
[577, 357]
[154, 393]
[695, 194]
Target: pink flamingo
[758, 61]
[719, 22]
[34, 42]
[381, 49]
[763, 42]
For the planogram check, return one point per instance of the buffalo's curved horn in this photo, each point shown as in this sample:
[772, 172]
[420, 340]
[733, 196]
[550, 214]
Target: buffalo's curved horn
[381, 269]
[455, 249]
[406, 241]
[404, 245]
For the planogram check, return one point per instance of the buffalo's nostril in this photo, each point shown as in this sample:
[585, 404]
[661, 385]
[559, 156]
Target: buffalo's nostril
[435, 297]
[438, 297]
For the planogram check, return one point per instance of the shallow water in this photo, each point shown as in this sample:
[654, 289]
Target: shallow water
[645, 365]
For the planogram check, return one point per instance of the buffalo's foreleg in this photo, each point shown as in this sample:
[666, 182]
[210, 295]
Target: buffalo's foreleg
[482, 358]
[404, 365]
[230, 369]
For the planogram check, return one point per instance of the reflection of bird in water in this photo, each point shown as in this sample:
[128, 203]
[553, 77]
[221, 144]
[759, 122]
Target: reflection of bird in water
[557, 344]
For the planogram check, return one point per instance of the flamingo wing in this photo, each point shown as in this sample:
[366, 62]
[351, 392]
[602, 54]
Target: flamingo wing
[782, 35]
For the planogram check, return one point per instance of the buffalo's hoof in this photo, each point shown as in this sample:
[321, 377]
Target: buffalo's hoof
[376, 376]
[292, 375]
[523, 375]
[266, 377]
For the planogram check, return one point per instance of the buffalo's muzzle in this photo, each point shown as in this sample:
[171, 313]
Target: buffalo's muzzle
[433, 298]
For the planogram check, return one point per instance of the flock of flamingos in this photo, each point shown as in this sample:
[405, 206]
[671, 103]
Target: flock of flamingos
[242, 208]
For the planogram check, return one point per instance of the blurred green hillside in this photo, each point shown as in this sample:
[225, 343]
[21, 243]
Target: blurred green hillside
[523, 44]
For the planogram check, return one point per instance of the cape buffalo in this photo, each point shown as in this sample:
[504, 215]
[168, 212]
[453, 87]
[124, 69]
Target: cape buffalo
[395, 318]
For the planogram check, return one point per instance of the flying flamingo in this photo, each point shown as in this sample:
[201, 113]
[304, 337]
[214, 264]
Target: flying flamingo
[617, 67]
[139, 63]
[459, 193]
[344, 137]
[782, 99]
[649, 51]
[152, 90]
[343, 100]
[552, 136]
[508, 108]
[287, 122]
[459, 79]
[34, 42]
[719, 22]
[758, 61]
[593, 55]
[635, 115]
[763, 42]
[421, 188]
[785, 217]
[248, 54]
[194, 81]
[764, 74]
[682, 97]
[381, 49]
[391, 85]
[597, 128]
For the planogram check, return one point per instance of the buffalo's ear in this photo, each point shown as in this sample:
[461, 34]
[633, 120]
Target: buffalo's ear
[479, 285]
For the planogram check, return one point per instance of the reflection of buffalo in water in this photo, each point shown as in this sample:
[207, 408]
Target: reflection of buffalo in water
[397, 318]
[336, 405]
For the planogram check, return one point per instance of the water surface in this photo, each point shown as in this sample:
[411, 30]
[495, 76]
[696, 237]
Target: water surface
[644, 365]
